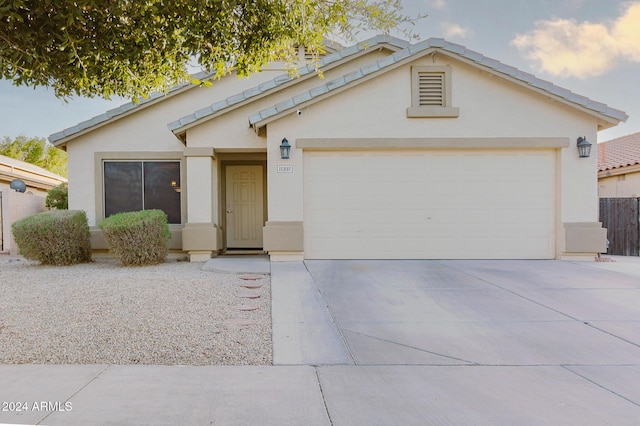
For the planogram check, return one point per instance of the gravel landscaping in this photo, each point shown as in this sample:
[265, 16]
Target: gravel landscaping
[103, 313]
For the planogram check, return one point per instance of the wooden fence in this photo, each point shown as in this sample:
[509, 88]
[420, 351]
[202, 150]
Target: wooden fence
[621, 218]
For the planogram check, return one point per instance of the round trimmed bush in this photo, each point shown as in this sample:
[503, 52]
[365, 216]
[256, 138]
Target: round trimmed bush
[138, 238]
[57, 237]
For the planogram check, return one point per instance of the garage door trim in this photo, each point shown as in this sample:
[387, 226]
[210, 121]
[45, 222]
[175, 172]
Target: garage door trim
[431, 143]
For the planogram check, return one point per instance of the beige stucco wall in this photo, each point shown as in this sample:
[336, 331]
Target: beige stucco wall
[146, 130]
[15, 206]
[619, 186]
[143, 131]
[489, 106]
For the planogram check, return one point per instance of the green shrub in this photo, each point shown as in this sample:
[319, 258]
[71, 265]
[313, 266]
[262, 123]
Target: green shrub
[58, 197]
[57, 237]
[138, 238]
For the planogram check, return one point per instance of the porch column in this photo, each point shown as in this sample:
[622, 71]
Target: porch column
[200, 233]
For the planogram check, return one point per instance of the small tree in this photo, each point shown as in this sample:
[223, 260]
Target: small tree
[58, 197]
[132, 48]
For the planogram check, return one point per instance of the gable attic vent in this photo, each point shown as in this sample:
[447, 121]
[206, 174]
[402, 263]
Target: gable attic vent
[431, 92]
[431, 88]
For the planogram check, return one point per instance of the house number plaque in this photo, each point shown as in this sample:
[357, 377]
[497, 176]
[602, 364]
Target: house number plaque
[285, 169]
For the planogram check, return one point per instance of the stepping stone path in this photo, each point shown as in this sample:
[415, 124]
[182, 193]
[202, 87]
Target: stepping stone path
[246, 307]
[250, 281]
[249, 295]
[247, 281]
[250, 284]
[250, 277]
[240, 322]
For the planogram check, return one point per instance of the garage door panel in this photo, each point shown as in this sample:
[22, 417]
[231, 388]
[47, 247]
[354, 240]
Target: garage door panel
[430, 204]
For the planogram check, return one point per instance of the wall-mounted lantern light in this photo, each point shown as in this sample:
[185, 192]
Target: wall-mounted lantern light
[285, 149]
[584, 147]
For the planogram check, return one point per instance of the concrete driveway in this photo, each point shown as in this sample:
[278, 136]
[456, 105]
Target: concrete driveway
[459, 342]
[388, 343]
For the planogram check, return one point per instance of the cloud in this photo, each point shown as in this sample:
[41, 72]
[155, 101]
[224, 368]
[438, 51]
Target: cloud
[438, 4]
[451, 30]
[583, 49]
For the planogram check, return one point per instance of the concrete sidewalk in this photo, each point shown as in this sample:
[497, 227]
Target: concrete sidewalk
[385, 343]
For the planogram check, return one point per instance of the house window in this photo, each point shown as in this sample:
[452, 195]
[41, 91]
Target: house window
[142, 185]
[431, 92]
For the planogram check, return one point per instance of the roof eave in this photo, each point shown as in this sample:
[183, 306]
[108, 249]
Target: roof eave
[378, 43]
[618, 170]
[60, 139]
[605, 121]
[259, 124]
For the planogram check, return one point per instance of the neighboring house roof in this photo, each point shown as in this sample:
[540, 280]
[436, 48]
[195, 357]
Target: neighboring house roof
[179, 126]
[32, 175]
[620, 152]
[608, 115]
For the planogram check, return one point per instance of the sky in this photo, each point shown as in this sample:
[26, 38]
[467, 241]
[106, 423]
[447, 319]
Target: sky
[591, 47]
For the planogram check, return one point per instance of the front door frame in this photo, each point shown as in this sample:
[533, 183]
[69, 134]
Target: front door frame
[223, 191]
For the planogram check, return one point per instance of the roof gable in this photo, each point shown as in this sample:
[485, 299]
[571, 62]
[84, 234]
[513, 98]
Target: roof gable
[337, 54]
[607, 116]
[620, 152]
[180, 126]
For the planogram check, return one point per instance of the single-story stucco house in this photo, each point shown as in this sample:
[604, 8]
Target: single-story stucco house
[417, 151]
[619, 167]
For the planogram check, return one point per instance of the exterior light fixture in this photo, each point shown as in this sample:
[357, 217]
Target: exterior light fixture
[18, 185]
[285, 149]
[584, 147]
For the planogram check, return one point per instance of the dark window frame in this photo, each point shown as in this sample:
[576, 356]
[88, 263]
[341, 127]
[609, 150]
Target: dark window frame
[149, 197]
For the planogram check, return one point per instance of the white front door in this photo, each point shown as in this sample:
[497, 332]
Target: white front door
[244, 206]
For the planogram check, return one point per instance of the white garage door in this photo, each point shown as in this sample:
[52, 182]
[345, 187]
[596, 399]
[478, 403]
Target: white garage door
[469, 204]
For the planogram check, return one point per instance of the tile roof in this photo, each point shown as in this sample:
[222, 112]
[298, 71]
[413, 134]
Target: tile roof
[408, 52]
[423, 48]
[619, 152]
[125, 109]
[238, 99]
[122, 110]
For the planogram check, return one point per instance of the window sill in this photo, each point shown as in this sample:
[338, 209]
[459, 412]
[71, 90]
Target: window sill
[432, 112]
